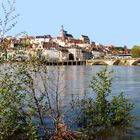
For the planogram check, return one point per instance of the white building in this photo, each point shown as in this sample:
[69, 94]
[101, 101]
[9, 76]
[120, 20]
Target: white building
[40, 39]
[75, 53]
[55, 53]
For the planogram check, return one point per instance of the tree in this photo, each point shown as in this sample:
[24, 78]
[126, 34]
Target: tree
[29, 91]
[101, 113]
[7, 22]
[135, 51]
[13, 116]
[48, 103]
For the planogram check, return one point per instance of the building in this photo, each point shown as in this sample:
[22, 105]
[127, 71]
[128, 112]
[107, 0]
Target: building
[97, 52]
[44, 38]
[85, 39]
[75, 52]
[63, 34]
[87, 53]
[53, 51]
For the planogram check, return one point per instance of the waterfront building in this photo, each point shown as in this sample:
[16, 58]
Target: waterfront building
[64, 47]
[53, 51]
[75, 52]
[97, 52]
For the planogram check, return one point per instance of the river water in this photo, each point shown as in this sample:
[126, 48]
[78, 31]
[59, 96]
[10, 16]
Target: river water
[126, 79]
[76, 81]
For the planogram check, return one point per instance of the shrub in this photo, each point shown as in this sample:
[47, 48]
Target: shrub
[100, 113]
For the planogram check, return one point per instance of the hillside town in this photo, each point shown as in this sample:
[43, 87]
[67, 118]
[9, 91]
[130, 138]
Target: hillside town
[60, 48]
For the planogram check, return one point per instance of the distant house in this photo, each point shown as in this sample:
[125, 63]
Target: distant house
[29, 40]
[85, 39]
[19, 46]
[73, 41]
[87, 53]
[97, 52]
[75, 52]
[54, 52]
[61, 41]
[44, 38]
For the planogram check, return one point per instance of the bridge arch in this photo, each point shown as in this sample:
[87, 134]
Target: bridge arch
[116, 62]
[100, 63]
[136, 62]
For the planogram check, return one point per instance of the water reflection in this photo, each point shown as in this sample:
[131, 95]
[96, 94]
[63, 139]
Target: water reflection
[76, 80]
[127, 79]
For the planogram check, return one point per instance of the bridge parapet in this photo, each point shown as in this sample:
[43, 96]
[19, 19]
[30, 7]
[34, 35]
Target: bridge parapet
[100, 62]
[127, 62]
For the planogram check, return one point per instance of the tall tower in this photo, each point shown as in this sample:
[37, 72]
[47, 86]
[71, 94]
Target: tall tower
[62, 32]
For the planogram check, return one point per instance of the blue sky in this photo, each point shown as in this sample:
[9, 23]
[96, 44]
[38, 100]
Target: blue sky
[115, 22]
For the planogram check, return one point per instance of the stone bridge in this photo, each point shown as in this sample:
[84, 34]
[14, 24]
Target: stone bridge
[126, 62]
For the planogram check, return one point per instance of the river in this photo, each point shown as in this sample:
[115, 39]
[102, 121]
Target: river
[125, 79]
[76, 81]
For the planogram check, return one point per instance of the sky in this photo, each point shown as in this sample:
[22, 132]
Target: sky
[108, 22]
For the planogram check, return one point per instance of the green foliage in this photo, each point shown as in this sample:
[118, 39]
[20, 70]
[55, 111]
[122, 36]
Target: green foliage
[135, 51]
[20, 102]
[120, 110]
[10, 104]
[99, 113]
[14, 117]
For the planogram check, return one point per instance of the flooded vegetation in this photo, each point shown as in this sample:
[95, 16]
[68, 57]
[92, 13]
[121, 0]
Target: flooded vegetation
[48, 98]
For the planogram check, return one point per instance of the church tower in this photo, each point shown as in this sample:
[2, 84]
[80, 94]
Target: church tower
[62, 32]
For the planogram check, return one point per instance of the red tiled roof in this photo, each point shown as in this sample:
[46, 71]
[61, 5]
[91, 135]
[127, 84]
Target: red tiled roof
[54, 45]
